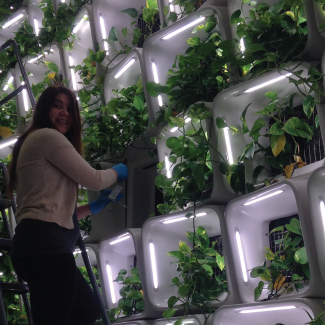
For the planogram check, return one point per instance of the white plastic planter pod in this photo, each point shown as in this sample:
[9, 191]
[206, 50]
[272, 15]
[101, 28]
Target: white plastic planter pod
[159, 53]
[288, 312]
[188, 320]
[107, 15]
[315, 44]
[316, 195]
[92, 252]
[122, 251]
[12, 24]
[248, 221]
[36, 68]
[176, 8]
[136, 322]
[230, 104]
[220, 194]
[320, 17]
[84, 30]
[162, 234]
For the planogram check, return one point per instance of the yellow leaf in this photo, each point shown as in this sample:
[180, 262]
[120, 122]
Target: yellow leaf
[268, 250]
[23, 316]
[183, 247]
[5, 132]
[277, 143]
[288, 171]
[291, 14]
[282, 257]
[142, 293]
[299, 161]
[51, 75]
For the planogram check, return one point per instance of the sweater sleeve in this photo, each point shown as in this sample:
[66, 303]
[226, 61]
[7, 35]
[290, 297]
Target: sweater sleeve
[57, 149]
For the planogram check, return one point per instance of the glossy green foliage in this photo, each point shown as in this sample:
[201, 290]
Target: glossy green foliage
[287, 269]
[198, 283]
[132, 301]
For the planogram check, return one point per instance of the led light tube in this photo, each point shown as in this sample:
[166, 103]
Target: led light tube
[36, 27]
[229, 151]
[167, 165]
[187, 119]
[81, 21]
[174, 129]
[119, 240]
[153, 265]
[8, 143]
[12, 21]
[268, 83]
[125, 67]
[241, 256]
[322, 211]
[155, 77]
[25, 99]
[193, 23]
[10, 80]
[259, 310]
[123, 235]
[78, 251]
[171, 6]
[38, 57]
[110, 281]
[184, 218]
[73, 76]
[242, 45]
[263, 197]
[103, 29]
[115, 116]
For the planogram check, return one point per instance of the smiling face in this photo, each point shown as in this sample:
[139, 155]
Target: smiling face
[60, 113]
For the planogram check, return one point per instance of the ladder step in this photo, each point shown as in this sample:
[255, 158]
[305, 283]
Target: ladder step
[4, 204]
[5, 244]
[14, 288]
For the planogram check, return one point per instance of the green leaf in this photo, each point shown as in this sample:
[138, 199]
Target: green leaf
[221, 123]
[52, 66]
[207, 268]
[166, 10]
[276, 128]
[198, 175]
[163, 182]
[221, 262]
[176, 254]
[258, 290]
[200, 231]
[172, 301]
[173, 143]
[316, 122]
[85, 96]
[294, 226]
[131, 11]
[277, 143]
[134, 279]
[155, 89]
[255, 131]
[124, 31]
[242, 118]
[177, 121]
[113, 35]
[135, 295]
[152, 4]
[175, 280]
[271, 95]
[235, 17]
[169, 313]
[257, 172]
[138, 103]
[308, 105]
[301, 256]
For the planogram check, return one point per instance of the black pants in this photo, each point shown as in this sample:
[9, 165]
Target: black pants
[59, 293]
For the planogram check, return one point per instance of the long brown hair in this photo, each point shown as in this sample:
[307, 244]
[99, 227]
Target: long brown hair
[41, 119]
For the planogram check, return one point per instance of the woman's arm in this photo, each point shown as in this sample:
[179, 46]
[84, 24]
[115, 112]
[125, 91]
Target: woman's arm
[83, 211]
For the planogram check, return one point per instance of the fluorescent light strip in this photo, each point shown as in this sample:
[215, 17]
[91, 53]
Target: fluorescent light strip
[125, 67]
[78, 251]
[229, 151]
[184, 218]
[110, 281]
[104, 35]
[187, 119]
[193, 23]
[242, 45]
[167, 166]
[155, 77]
[153, 265]
[82, 20]
[3, 145]
[259, 310]
[174, 129]
[322, 211]
[36, 27]
[25, 98]
[10, 80]
[263, 197]
[12, 21]
[172, 9]
[123, 235]
[119, 240]
[268, 83]
[73, 75]
[241, 257]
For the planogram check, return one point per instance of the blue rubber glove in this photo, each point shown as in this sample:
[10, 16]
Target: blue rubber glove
[122, 172]
[102, 201]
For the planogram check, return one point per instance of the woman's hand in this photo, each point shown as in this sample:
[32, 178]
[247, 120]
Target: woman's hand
[122, 172]
[102, 201]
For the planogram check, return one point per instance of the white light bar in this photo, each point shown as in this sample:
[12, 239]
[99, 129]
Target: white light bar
[322, 211]
[78, 251]
[167, 166]
[36, 27]
[25, 98]
[103, 29]
[110, 281]
[242, 45]
[8, 143]
[123, 235]
[12, 21]
[183, 218]
[155, 76]
[174, 129]
[153, 265]
[10, 80]
[119, 240]
[241, 257]
[193, 23]
[187, 119]
[73, 76]
[263, 197]
[229, 151]
[39, 57]
[124, 68]
[82, 20]
[268, 83]
[260, 310]
[172, 9]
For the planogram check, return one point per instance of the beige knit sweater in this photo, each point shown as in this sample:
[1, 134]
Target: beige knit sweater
[48, 171]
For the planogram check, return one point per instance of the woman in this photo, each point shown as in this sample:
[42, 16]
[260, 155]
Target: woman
[45, 171]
